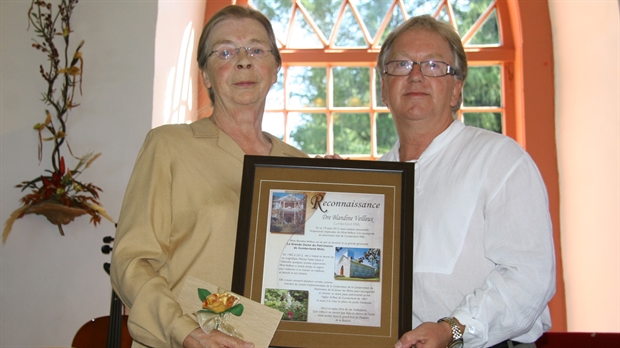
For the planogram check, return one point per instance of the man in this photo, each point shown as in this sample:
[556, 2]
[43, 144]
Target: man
[484, 266]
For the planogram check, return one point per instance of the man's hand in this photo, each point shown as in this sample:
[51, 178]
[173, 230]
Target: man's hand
[214, 339]
[427, 335]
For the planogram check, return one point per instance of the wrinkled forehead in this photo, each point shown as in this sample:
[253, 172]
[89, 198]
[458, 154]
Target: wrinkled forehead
[418, 44]
[238, 31]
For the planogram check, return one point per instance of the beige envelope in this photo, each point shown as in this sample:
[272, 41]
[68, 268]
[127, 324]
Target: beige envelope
[257, 324]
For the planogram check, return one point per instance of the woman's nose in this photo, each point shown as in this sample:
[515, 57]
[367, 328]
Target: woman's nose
[244, 65]
[243, 60]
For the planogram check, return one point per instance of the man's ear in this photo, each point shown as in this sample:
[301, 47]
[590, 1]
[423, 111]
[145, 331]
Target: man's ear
[456, 92]
[383, 94]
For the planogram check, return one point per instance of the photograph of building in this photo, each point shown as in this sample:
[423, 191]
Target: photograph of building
[288, 212]
[353, 263]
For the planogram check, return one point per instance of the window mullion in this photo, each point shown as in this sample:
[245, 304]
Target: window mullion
[467, 37]
[482, 109]
[330, 106]
[291, 24]
[385, 22]
[360, 22]
[332, 37]
[312, 24]
[285, 112]
[373, 103]
[449, 11]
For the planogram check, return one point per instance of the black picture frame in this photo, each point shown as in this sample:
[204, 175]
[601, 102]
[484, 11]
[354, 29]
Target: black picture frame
[309, 180]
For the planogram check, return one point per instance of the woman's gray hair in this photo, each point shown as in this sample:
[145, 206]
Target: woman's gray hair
[444, 30]
[235, 12]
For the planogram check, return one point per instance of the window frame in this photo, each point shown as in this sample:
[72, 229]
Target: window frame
[526, 60]
[331, 56]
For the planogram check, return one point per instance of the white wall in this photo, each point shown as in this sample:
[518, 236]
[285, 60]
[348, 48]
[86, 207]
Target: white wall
[51, 285]
[586, 38]
[176, 83]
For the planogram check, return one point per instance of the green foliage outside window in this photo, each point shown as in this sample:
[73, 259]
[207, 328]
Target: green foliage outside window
[352, 133]
[351, 86]
[386, 132]
[307, 86]
[310, 137]
[487, 120]
[483, 86]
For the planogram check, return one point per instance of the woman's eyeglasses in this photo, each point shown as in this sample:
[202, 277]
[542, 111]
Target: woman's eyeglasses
[231, 52]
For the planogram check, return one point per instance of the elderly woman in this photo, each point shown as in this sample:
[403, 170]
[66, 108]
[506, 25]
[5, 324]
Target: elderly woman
[180, 209]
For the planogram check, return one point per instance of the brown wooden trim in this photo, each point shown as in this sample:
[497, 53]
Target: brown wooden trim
[535, 117]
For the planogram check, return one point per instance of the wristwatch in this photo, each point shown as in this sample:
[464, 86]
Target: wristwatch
[457, 335]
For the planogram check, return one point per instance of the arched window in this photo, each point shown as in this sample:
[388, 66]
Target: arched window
[327, 98]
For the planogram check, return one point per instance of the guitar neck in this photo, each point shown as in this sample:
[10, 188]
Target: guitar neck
[116, 322]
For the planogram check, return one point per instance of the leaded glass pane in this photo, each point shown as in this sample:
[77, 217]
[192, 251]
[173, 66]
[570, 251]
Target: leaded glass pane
[351, 86]
[386, 132]
[273, 123]
[302, 35]
[421, 7]
[443, 16]
[488, 33]
[352, 133]
[372, 13]
[308, 132]
[487, 120]
[350, 33]
[306, 87]
[396, 18]
[323, 13]
[278, 12]
[467, 12]
[483, 86]
[275, 97]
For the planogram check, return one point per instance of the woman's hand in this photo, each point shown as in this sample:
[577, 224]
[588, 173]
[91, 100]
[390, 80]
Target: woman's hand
[215, 339]
[334, 156]
[427, 335]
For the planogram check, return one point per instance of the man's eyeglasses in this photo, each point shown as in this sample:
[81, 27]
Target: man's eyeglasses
[229, 52]
[429, 68]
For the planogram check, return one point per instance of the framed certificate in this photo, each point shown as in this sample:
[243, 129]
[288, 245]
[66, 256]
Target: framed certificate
[329, 243]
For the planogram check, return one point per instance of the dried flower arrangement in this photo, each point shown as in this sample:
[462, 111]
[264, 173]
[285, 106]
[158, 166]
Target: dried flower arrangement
[58, 195]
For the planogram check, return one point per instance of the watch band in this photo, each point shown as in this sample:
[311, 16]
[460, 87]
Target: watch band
[457, 334]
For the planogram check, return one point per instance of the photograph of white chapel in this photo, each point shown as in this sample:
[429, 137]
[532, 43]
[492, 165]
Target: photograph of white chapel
[357, 264]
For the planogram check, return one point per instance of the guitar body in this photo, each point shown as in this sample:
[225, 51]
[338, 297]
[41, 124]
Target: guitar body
[94, 334]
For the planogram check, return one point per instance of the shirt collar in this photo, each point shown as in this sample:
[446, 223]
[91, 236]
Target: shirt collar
[443, 139]
[440, 141]
[206, 128]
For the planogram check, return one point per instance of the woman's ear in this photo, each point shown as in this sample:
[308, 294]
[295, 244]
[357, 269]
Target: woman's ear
[275, 76]
[205, 79]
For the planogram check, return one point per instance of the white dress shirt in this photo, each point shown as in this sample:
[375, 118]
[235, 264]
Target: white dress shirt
[483, 241]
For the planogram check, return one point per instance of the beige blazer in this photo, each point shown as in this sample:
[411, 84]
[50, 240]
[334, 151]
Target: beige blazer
[178, 219]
